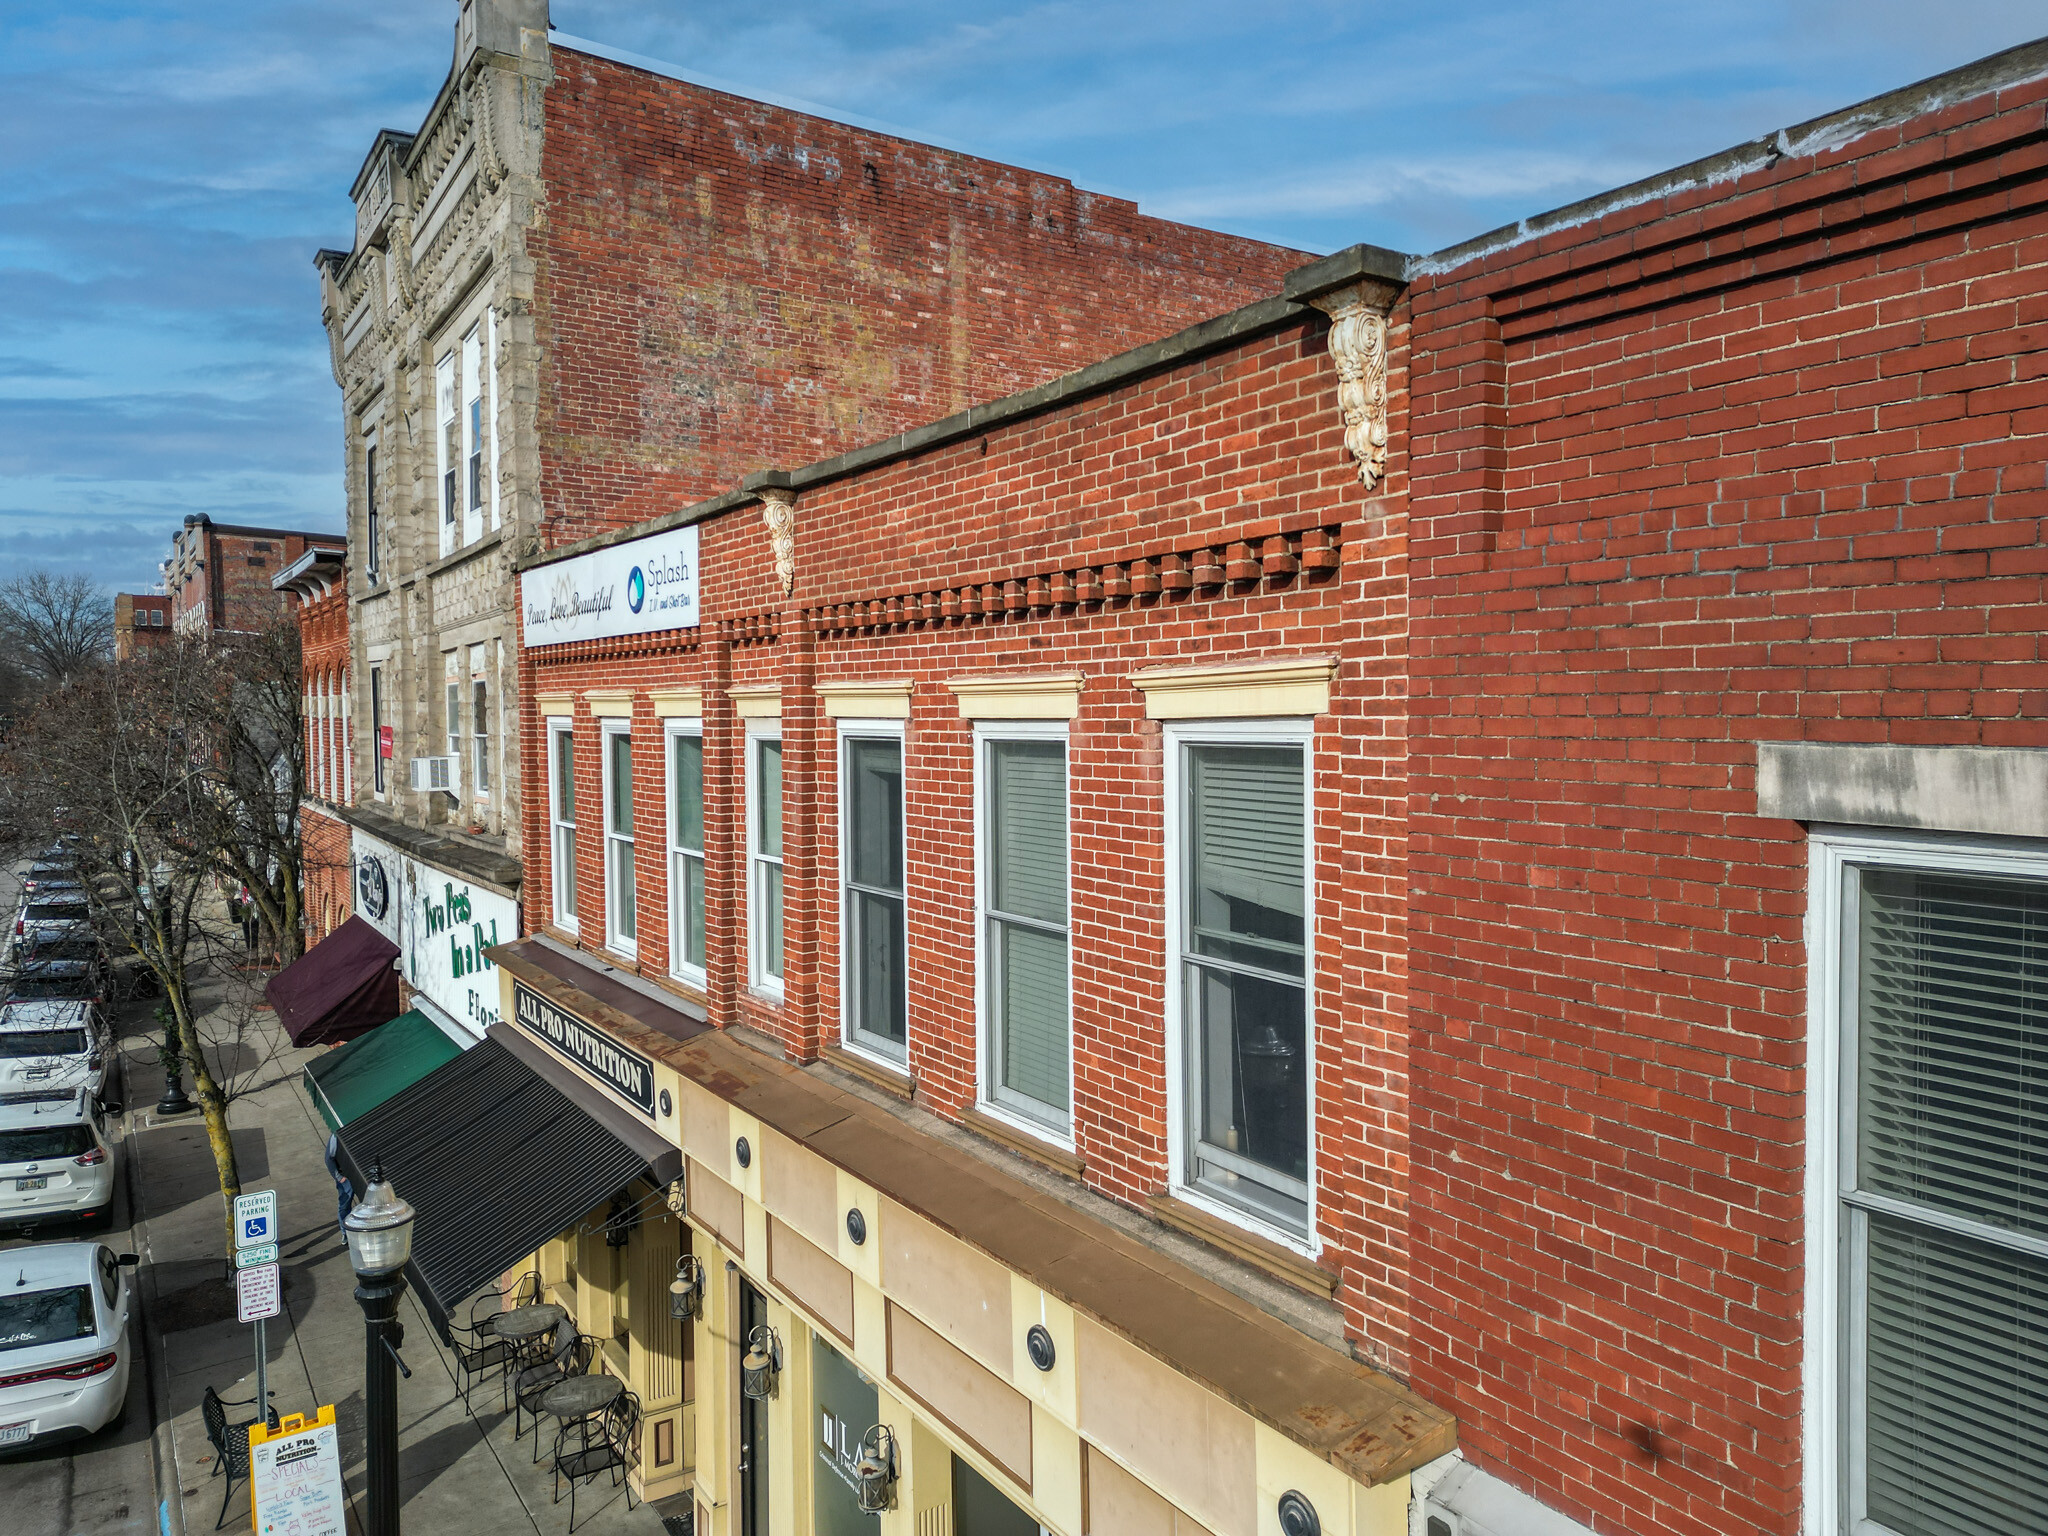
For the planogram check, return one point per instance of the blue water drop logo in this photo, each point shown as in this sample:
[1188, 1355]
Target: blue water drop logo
[636, 590]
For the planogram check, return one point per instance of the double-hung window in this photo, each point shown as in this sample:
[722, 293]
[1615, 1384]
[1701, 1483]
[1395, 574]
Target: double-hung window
[562, 818]
[686, 851]
[621, 922]
[1928, 1175]
[377, 729]
[474, 417]
[1022, 867]
[480, 718]
[451, 676]
[872, 945]
[764, 858]
[372, 514]
[1240, 850]
[448, 449]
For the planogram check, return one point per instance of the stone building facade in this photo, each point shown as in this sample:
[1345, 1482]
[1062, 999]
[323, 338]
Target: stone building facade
[317, 583]
[140, 620]
[1650, 597]
[219, 575]
[585, 290]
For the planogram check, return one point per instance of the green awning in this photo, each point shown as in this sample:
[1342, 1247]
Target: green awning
[355, 1078]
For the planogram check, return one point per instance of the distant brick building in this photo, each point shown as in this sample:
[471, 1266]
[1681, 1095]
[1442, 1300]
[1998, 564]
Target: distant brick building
[317, 585]
[219, 575]
[140, 620]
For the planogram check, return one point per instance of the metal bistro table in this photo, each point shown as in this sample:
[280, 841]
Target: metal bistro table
[581, 1396]
[523, 1323]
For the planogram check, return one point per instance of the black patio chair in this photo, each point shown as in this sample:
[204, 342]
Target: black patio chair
[230, 1440]
[569, 1355]
[603, 1443]
[478, 1349]
[488, 1304]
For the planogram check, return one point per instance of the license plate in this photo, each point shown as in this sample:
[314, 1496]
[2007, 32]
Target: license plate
[16, 1434]
[41, 1183]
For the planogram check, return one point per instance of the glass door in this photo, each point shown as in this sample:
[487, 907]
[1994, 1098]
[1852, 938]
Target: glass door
[846, 1407]
[753, 1469]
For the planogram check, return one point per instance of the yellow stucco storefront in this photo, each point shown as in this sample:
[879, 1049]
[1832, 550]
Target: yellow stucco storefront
[900, 1279]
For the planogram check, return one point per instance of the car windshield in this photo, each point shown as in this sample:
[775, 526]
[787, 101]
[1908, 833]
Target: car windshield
[31, 987]
[42, 1042]
[29, 1318]
[55, 912]
[34, 1143]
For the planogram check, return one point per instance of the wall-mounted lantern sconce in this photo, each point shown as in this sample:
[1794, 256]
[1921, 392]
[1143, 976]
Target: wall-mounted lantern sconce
[875, 1472]
[686, 1291]
[761, 1365]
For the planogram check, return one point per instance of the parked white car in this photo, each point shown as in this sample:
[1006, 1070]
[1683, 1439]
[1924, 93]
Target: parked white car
[64, 1349]
[51, 1046]
[56, 1161]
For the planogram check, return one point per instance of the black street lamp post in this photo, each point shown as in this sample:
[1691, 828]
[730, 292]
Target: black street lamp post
[379, 1229]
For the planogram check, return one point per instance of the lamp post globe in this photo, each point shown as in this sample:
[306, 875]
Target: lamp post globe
[379, 1228]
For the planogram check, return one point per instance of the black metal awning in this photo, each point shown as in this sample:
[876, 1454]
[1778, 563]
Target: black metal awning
[497, 1156]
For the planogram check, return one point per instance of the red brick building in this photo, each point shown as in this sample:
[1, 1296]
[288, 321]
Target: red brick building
[1550, 937]
[140, 619]
[317, 585]
[219, 576]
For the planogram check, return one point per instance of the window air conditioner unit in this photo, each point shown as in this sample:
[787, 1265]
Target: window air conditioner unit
[434, 773]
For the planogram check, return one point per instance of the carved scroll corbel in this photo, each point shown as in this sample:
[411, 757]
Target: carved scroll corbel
[778, 511]
[1358, 344]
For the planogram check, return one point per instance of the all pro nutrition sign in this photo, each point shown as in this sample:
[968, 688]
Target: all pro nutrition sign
[627, 1073]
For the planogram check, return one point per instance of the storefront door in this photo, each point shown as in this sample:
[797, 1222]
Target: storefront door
[753, 1469]
[980, 1508]
[847, 1405]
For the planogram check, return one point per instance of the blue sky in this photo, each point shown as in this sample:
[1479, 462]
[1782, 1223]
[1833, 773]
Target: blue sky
[169, 170]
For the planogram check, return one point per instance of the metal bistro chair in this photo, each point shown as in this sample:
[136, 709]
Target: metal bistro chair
[231, 1443]
[478, 1350]
[569, 1355]
[609, 1442]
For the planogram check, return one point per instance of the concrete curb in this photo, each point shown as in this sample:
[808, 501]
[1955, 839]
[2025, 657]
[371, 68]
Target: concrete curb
[163, 1444]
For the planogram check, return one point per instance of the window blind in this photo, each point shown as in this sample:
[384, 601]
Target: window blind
[768, 787]
[1952, 1063]
[1032, 973]
[874, 836]
[1028, 829]
[1954, 1045]
[1247, 847]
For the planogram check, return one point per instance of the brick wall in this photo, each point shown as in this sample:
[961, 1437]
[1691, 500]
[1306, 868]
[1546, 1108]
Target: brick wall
[1760, 460]
[330, 872]
[724, 286]
[1209, 512]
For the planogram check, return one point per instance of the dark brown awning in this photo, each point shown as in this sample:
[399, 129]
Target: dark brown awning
[342, 987]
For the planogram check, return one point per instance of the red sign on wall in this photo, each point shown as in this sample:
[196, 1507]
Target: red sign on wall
[384, 741]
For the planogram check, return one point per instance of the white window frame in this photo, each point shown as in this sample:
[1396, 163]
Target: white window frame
[770, 987]
[562, 871]
[447, 412]
[490, 392]
[870, 730]
[987, 733]
[373, 563]
[616, 942]
[454, 685]
[471, 488]
[380, 776]
[348, 741]
[481, 736]
[1178, 736]
[1832, 1365]
[683, 970]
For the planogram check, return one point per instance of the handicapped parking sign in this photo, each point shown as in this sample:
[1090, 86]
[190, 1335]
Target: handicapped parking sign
[255, 1218]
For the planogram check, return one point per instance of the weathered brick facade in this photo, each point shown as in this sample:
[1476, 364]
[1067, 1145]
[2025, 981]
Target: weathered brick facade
[723, 285]
[1747, 456]
[317, 587]
[140, 620]
[219, 574]
[1756, 459]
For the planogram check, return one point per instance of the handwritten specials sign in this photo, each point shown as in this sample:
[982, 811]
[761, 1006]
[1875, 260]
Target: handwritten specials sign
[295, 1477]
[629, 1073]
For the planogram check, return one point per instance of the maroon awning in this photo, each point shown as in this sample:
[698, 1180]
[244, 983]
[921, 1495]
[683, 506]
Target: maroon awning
[342, 987]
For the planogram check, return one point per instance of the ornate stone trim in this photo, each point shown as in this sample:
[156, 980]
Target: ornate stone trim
[1288, 685]
[1014, 696]
[778, 511]
[1358, 344]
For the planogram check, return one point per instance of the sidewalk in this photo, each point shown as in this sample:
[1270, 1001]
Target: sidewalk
[458, 1473]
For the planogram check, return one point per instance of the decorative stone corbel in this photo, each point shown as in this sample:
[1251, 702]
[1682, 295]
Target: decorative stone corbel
[1358, 343]
[778, 511]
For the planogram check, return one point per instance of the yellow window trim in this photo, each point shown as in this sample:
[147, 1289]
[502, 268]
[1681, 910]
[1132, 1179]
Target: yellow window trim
[556, 704]
[1292, 685]
[679, 704]
[1017, 696]
[879, 700]
[606, 705]
[756, 701]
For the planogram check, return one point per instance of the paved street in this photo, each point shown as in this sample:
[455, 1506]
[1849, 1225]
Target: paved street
[460, 1473]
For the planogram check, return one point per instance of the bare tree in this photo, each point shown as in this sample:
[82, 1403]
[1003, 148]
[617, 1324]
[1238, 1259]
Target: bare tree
[120, 765]
[61, 626]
